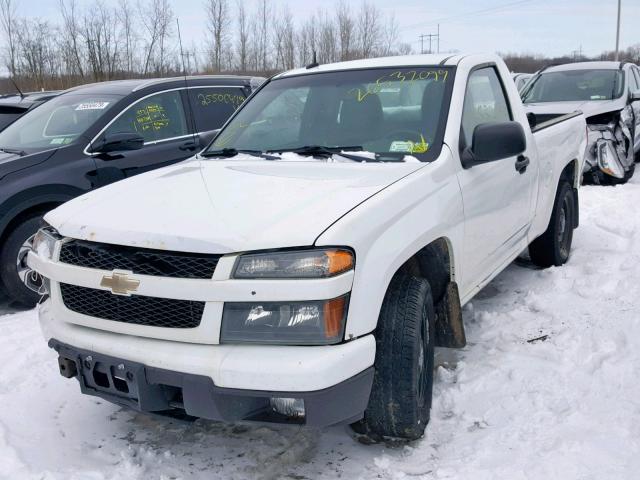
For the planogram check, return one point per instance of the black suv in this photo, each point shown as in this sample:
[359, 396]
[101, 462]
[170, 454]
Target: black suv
[93, 135]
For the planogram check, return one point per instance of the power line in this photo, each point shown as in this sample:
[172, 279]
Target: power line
[473, 13]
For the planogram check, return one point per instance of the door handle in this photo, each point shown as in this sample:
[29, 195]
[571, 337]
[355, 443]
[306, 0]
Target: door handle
[188, 146]
[522, 163]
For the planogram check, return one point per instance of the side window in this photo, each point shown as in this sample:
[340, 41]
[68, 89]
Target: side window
[484, 102]
[157, 117]
[212, 106]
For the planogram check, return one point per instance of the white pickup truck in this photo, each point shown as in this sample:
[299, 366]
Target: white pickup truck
[304, 266]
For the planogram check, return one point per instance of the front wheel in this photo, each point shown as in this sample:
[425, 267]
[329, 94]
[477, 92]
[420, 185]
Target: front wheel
[400, 399]
[13, 267]
[554, 245]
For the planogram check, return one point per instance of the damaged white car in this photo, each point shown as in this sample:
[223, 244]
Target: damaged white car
[607, 93]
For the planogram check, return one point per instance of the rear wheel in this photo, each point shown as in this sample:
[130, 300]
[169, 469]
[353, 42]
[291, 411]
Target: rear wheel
[400, 399]
[13, 267]
[554, 245]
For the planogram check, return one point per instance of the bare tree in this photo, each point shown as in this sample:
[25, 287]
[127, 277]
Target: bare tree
[36, 51]
[100, 33]
[217, 24]
[369, 29]
[327, 40]
[263, 20]
[389, 36]
[346, 30]
[8, 21]
[126, 17]
[156, 18]
[71, 37]
[242, 45]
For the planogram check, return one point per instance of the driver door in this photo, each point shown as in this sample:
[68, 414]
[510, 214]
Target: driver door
[160, 119]
[496, 196]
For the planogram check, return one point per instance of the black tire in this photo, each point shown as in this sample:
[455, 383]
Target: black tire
[400, 399]
[553, 247]
[13, 286]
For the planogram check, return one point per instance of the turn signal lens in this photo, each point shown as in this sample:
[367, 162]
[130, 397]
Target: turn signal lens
[334, 314]
[339, 261]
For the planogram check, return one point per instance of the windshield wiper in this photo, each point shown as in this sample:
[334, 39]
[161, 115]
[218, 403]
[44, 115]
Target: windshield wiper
[232, 152]
[13, 151]
[328, 151]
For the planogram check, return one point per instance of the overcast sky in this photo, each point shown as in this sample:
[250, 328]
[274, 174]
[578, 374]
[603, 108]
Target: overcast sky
[551, 27]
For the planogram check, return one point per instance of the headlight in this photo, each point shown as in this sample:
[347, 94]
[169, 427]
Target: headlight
[44, 242]
[317, 263]
[290, 323]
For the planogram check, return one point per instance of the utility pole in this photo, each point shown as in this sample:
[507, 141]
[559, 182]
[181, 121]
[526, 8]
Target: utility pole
[618, 32]
[430, 36]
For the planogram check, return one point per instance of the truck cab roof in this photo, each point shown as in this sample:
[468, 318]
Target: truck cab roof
[396, 61]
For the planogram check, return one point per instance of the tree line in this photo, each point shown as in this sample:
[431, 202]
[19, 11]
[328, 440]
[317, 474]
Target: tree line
[529, 63]
[97, 41]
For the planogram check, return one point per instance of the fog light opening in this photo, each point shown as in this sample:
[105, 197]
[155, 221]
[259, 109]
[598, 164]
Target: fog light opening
[289, 407]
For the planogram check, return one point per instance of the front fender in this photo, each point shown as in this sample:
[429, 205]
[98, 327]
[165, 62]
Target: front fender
[389, 228]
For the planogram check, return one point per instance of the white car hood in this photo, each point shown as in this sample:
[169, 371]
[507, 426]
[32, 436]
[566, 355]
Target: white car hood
[589, 108]
[222, 206]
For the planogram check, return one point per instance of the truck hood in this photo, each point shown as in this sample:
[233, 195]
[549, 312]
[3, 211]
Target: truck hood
[589, 108]
[222, 206]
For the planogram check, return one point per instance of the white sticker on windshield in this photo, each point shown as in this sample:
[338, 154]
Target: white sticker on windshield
[57, 141]
[401, 147]
[92, 106]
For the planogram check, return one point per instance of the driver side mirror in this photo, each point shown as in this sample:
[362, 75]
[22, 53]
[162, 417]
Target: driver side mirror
[635, 95]
[118, 142]
[494, 141]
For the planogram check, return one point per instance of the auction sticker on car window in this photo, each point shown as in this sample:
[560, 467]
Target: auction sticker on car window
[92, 106]
[401, 147]
[409, 146]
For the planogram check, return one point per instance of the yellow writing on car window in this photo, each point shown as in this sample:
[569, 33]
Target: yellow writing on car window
[396, 77]
[229, 134]
[206, 99]
[151, 117]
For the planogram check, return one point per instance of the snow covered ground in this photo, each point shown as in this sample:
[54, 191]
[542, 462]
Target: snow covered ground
[548, 388]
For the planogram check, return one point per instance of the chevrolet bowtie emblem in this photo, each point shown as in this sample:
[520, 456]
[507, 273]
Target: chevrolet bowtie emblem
[120, 283]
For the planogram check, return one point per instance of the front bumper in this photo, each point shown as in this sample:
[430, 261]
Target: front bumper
[150, 389]
[251, 367]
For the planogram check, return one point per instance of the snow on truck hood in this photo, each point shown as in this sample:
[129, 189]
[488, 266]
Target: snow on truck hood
[589, 108]
[222, 206]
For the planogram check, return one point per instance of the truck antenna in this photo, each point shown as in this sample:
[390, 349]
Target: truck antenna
[314, 63]
[17, 87]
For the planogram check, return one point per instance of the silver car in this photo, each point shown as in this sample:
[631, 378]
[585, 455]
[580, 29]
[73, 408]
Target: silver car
[607, 93]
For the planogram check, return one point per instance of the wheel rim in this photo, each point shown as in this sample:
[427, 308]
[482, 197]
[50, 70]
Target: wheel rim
[32, 280]
[564, 228]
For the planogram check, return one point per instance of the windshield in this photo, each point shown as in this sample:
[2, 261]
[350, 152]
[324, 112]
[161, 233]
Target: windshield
[574, 85]
[390, 112]
[58, 122]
